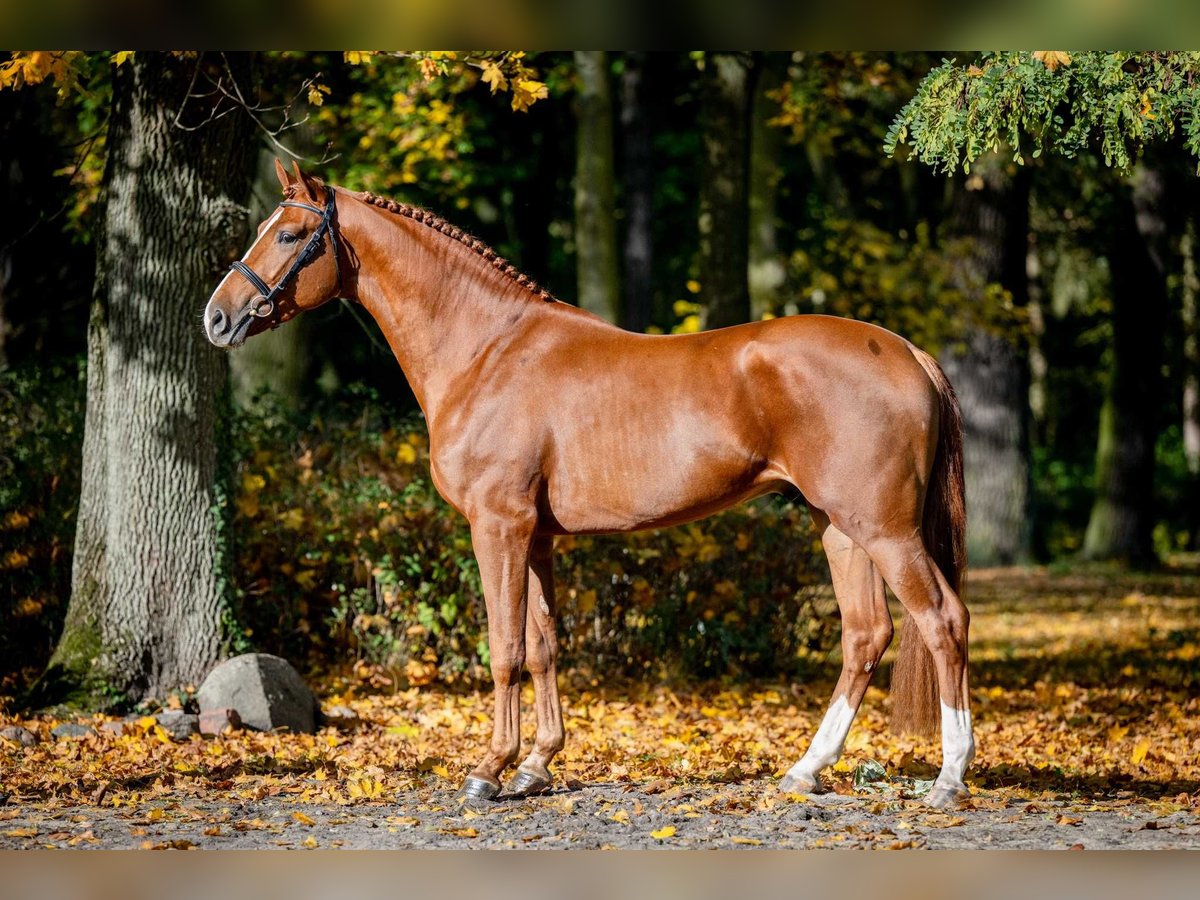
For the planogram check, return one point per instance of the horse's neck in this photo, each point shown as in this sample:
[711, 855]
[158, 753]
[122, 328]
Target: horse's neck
[437, 303]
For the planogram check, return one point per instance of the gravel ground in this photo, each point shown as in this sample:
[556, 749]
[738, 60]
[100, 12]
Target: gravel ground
[747, 815]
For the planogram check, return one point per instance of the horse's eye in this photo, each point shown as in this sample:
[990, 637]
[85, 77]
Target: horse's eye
[286, 237]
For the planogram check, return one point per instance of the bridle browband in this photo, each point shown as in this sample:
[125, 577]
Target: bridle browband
[265, 305]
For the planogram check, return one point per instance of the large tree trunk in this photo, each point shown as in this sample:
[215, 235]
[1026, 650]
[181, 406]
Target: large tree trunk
[1122, 520]
[989, 369]
[637, 185]
[766, 273]
[724, 228]
[150, 570]
[595, 225]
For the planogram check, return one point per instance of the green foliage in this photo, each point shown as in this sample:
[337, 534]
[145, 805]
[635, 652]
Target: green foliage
[1051, 100]
[346, 551]
[905, 283]
[41, 431]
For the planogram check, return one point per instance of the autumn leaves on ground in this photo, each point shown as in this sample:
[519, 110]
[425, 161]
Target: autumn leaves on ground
[1084, 692]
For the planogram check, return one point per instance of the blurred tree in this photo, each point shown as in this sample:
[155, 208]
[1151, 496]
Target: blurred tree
[766, 272]
[637, 191]
[725, 91]
[1069, 102]
[988, 367]
[597, 277]
[1122, 520]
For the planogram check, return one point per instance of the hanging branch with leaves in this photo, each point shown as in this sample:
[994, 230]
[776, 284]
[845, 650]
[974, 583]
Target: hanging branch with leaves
[1059, 101]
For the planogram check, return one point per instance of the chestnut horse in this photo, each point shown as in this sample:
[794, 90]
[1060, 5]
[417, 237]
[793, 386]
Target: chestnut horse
[545, 420]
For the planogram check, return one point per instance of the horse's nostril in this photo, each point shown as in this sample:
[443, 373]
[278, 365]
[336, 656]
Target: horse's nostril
[218, 322]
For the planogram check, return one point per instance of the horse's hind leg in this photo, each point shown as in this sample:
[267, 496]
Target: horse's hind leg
[541, 655]
[942, 619]
[866, 633]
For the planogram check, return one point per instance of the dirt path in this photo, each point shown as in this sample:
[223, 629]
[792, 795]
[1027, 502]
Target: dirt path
[747, 815]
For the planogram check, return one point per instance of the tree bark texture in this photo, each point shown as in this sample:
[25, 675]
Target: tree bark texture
[637, 185]
[989, 370]
[1121, 524]
[724, 218]
[150, 574]
[598, 281]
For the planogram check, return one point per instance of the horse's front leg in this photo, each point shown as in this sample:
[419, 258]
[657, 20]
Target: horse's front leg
[541, 655]
[502, 547]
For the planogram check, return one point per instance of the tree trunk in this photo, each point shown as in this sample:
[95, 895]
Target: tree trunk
[1121, 525]
[989, 370]
[150, 573]
[724, 228]
[766, 273]
[1190, 320]
[595, 225]
[637, 185]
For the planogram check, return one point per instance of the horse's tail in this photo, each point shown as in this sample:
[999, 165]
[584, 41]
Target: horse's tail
[915, 699]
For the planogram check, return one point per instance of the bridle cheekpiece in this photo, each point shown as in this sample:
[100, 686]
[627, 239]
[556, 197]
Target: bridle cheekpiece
[264, 306]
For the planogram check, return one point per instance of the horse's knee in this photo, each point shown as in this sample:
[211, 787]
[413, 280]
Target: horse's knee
[507, 663]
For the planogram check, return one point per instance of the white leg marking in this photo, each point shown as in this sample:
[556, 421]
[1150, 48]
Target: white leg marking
[958, 743]
[827, 744]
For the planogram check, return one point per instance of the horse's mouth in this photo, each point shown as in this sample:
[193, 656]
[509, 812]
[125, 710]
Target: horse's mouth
[237, 337]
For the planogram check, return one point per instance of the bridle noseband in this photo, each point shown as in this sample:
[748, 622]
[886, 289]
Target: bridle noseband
[265, 305]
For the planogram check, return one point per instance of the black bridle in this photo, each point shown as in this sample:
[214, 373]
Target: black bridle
[265, 305]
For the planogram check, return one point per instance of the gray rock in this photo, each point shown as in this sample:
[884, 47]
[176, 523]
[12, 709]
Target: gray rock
[117, 727]
[178, 724]
[20, 734]
[265, 690]
[71, 730]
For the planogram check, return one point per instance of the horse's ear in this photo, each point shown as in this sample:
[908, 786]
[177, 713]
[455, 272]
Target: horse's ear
[305, 181]
[285, 180]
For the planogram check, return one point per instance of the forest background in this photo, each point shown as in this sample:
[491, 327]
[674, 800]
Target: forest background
[667, 192]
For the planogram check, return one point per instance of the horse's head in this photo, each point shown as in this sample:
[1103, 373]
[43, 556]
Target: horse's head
[293, 265]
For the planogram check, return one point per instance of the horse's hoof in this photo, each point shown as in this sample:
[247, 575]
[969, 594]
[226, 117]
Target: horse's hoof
[945, 796]
[476, 788]
[801, 784]
[527, 784]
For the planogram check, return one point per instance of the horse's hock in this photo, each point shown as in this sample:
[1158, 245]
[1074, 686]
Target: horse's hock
[266, 691]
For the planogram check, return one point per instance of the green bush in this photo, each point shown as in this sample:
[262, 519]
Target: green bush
[41, 431]
[345, 551]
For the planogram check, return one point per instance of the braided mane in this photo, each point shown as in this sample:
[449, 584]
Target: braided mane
[437, 223]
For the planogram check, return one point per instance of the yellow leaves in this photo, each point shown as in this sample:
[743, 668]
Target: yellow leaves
[359, 57]
[303, 819]
[292, 519]
[750, 842]
[310, 842]
[1052, 59]
[663, 833]
[317, 94]
[1140, 749]
[494, 77]
[406, 454]
[1147, 106]
[621, 816]
[460, 832]
[1117, 733]
[365, 789]
[30, 67]
[121, 57]
[526, 92]
[420, 672]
